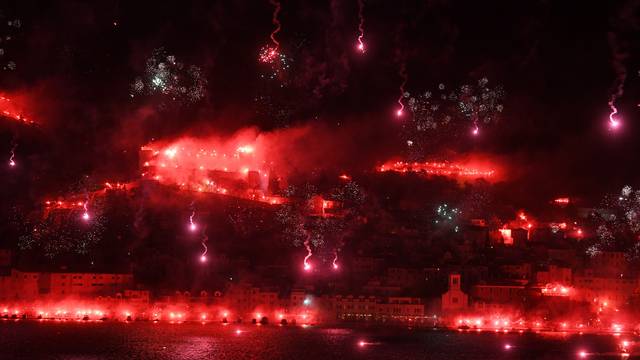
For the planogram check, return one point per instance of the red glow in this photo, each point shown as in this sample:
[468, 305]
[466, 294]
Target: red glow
[236, 167]
[268, 55]
[556, 290]
[507, 239]
[13, 108]
[437, 168]
[561, 201]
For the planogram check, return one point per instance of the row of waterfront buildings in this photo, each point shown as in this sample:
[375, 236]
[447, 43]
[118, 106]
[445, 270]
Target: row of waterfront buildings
[605, 280]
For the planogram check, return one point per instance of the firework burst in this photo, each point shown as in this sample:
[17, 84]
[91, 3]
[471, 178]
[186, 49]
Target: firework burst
[171, 79]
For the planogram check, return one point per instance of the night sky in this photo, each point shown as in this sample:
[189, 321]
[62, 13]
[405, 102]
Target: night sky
[556, 60]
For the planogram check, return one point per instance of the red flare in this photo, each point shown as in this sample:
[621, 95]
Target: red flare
[613, 122]
[192, 225]
[306, 263]
[360, 45]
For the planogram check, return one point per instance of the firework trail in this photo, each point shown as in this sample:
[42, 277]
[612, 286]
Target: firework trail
[476, 129]
[619, 55]
[335, 260]
[192, 225]
[276, 22]
[360, 45]
[85, 214]
[12, 161]
[307, 264]
[205, 249]
[613, 122]
[403, 75]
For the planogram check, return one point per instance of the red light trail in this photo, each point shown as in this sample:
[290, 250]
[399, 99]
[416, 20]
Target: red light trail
[403, 75]
[614, 123]
[360, 45]
[12, 161]
[203, 257]
[192, 225]
[85, 214]
[306, 262]
[205, 249]
[275, 21]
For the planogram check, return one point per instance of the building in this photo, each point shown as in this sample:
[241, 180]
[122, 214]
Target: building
[20, 285]
[378, 308]
[609, 263]
[512, 293]
[454, 299]
[590, 286]
[137, 296]
[517, 271]
[554, 274]
[5, 258]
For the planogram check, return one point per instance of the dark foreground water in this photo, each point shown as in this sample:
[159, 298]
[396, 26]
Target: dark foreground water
[113, 340]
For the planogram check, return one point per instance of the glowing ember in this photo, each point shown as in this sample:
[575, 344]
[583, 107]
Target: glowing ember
[268, 55]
